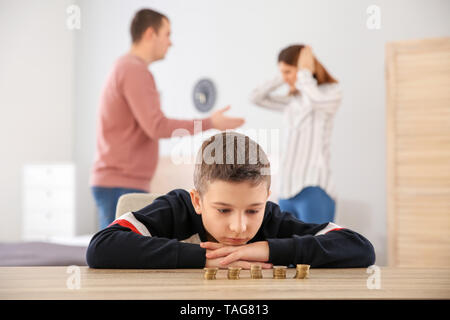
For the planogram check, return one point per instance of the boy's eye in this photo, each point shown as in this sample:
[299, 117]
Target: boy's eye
[228, 210]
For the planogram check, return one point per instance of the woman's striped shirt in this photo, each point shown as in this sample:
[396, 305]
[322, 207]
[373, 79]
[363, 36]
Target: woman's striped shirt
[308, 123]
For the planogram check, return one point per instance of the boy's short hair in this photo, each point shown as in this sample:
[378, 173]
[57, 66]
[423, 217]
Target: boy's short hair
[230, 156]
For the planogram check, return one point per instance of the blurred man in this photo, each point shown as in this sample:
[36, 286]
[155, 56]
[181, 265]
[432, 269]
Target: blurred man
[130, 120]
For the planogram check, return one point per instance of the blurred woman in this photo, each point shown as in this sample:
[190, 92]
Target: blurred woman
[306, 188]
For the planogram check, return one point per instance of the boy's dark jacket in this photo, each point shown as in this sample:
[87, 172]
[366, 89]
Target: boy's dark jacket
[151, 238]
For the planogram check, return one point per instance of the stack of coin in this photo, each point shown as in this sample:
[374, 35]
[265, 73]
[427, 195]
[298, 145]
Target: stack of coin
[210, 273]
[279, 272]
[255, 271]
[302, 271]
[233, 273]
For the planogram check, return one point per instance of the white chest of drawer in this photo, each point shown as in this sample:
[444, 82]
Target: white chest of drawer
[48, 201]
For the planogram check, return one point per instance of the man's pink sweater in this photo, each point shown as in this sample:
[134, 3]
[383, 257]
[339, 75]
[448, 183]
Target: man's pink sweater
[130, 123]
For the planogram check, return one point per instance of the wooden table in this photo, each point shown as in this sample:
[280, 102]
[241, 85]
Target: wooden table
[188, 284]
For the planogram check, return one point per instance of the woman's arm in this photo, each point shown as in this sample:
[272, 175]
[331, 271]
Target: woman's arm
[319, 94]
[262, 97]
[325, 97]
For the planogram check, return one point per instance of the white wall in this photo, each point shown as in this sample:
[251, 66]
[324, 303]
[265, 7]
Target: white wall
[236, 43]
[36, 97]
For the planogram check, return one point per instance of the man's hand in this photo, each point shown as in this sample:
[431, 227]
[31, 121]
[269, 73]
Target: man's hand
[220, 255]
[222, 122]
[306, 59]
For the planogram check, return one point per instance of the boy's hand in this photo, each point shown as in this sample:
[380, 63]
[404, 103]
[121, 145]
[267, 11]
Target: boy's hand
[244, 255]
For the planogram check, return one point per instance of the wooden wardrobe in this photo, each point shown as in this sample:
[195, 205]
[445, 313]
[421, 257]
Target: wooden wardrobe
[418, 152]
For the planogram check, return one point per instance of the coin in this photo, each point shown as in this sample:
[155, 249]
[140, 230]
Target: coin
[210, 273]
[255, 271]
[233, 273]
[302, 271]
[279, 272]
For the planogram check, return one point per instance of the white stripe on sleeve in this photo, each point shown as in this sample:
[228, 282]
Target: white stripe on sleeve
[129, 216]
[330, 226]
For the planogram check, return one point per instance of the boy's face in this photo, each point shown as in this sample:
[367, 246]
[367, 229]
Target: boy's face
[231, 212]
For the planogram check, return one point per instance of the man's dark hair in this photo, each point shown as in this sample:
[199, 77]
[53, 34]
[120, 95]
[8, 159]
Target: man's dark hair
[144, 19]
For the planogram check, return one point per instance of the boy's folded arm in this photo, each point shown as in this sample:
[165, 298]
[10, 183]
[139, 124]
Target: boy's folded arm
[148, 238]
[120, 247]
[336, 248]
[292, 241]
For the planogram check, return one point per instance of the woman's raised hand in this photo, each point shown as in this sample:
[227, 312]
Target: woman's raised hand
[306, 59]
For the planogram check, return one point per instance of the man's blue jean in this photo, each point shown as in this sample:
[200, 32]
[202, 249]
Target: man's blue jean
[311, 205]
[106, 200]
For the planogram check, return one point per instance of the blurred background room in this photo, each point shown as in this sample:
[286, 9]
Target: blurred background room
[392, 59]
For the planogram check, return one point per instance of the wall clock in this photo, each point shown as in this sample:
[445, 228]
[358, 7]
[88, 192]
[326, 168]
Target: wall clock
[204, 95]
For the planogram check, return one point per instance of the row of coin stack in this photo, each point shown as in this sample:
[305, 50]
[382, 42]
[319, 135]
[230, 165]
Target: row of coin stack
[279, 272]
